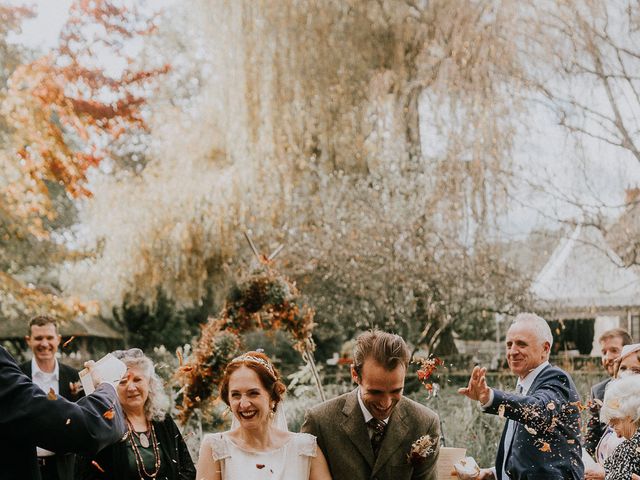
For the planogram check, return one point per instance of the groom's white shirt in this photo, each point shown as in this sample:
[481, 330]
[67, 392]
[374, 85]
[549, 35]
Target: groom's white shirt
[367, 414]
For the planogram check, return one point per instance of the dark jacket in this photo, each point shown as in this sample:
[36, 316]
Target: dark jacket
[66, 376]
[113, 460]
[29, 418]
[546, 439]
[595, 428]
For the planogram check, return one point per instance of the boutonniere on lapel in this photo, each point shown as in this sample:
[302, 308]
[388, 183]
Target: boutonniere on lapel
[421, 449]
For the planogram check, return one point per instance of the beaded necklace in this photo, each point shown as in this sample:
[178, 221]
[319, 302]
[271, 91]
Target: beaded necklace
[142, 471]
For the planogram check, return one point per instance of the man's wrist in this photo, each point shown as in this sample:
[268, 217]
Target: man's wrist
[488, 402]
[105, 382]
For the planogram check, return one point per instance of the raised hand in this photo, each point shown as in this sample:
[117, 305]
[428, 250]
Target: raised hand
[477, 388]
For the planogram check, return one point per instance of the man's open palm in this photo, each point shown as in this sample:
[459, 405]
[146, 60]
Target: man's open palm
[477, 388]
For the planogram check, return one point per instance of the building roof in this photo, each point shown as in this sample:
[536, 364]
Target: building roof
[19, 302]
[584, 272]
[529, 255]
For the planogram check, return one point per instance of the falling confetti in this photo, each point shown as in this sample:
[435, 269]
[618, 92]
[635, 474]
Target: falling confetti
[427, 367]
[97, 465]
[52, 394]
[180, 358]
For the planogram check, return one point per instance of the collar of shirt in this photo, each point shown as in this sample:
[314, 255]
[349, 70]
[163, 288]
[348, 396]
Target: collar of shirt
[527, 381]
[365, 412]
[35, 370]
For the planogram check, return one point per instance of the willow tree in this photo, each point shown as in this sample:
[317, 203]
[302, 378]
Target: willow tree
[390, 124]
[365, 135]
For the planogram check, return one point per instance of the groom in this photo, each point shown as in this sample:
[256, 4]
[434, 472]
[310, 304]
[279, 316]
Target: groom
[368, 433]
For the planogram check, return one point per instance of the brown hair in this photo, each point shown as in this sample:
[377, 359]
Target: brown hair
[268, 375]
[41, 321]
[387, 349]
[616, 332]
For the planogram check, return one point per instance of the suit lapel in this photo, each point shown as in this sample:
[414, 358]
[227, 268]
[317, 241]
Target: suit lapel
[63, 383]
[500, 455]
[537, 381]
[355, 428]
[397, 430]
[27, 369]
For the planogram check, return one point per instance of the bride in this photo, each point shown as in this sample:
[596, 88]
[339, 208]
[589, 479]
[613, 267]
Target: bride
[258, 446]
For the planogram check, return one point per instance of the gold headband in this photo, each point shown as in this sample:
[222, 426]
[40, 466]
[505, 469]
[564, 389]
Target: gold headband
[261, 361]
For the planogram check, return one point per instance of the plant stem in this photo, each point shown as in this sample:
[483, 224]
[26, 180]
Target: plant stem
[308, 354]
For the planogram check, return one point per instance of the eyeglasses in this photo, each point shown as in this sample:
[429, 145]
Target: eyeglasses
[131, 353]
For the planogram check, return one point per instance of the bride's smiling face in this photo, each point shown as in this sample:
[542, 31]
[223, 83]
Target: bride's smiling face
[250, 402]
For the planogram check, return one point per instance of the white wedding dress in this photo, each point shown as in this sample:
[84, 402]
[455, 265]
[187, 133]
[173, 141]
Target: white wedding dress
[292, 461]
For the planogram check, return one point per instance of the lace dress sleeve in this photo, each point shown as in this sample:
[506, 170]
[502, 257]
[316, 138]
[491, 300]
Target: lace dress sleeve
[306, 444]
[218, 445]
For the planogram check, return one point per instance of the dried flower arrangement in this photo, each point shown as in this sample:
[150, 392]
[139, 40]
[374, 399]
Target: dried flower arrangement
[265, 300]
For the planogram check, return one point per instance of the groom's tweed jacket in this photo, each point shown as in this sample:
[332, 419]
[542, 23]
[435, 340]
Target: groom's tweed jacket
[342, 435]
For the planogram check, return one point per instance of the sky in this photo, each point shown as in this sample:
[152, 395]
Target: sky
[543, 154]
[43, 30]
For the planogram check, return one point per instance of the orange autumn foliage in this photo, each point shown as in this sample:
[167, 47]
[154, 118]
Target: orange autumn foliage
[63, 110]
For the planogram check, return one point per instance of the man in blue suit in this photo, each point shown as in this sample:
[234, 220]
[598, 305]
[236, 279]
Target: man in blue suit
[541, 440]
[30, 417]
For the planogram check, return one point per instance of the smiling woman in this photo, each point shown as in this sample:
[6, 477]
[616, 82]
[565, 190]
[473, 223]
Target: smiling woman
[257, 447]
[153, 446]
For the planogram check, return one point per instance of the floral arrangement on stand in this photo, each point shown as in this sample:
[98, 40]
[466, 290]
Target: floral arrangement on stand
[265, 300]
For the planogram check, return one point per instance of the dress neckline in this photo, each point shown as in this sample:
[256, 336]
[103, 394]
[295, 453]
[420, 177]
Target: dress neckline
[285, 444]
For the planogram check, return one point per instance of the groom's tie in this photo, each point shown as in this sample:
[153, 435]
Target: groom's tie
[508, 437]
[377, 427]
